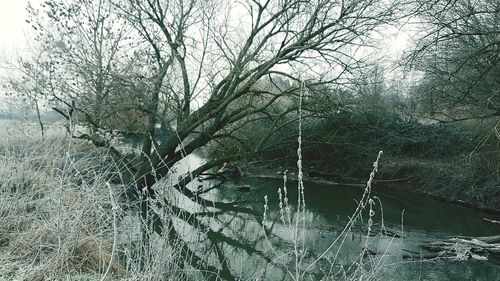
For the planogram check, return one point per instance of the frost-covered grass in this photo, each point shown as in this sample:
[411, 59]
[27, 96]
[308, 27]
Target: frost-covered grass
[295, 263]
[55, 211]
[64, 216]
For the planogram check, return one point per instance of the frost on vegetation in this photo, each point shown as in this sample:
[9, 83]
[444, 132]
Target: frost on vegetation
[61, 219]
[297, 265]
[55, 221]
[463, 252]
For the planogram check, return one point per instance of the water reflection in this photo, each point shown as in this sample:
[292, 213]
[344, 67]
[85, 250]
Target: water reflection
[328, 210]
[408, 221]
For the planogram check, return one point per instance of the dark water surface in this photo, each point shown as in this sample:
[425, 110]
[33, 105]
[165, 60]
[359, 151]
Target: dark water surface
[410, 221]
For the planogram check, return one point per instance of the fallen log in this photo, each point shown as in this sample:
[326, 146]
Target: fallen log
[464, 248]
[427, 256]
[455, 249]
[227, 171]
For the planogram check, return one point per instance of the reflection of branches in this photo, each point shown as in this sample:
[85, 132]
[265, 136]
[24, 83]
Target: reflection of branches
[208, 271]
[216, 238]
[215, 209]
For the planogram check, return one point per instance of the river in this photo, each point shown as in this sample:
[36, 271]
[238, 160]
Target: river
[409, 221]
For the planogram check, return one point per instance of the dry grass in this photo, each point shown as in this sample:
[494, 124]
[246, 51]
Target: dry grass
[296, 264]
[54, 210]
[62, 220]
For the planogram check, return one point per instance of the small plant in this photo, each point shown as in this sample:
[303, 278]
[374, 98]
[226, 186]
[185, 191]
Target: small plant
[296, 225]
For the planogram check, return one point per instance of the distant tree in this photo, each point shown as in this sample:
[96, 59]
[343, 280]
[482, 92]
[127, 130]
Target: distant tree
[82, 47]
[459, 56]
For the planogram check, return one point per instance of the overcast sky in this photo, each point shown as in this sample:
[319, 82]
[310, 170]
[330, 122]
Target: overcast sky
[15, 33]
[13, 28]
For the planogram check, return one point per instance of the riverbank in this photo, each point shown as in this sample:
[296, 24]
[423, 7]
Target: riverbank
[466, 180]
[458, 179]
[56, 211]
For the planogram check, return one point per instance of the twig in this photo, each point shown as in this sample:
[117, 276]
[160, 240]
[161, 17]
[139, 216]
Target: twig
[493, 221]
[115, 230]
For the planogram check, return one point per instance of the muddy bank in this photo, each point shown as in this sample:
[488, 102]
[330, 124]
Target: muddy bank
[457, 180]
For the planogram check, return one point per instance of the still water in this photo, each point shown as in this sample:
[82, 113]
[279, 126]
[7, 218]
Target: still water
[402, 223]
[409, 221]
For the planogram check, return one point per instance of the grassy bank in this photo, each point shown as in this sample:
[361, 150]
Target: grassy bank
[466, 179]
[457, 162]
[63, 216]
[56, 216]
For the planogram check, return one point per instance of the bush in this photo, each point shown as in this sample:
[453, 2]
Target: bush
[409, 137]
[342, 139]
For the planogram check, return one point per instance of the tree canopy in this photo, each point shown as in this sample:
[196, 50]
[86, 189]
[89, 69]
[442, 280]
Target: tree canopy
[195, 67]
[459, 57]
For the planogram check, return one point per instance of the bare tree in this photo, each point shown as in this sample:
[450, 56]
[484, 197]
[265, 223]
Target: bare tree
[459, 56]
[215, 60]
[203, 69]
[82, 46]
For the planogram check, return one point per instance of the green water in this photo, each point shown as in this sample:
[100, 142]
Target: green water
[411, 221]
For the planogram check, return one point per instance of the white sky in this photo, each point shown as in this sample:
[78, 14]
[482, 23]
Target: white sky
[14, 34]
[397, 40]
[13, 28]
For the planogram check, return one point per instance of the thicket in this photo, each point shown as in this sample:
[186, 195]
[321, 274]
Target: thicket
[349, 134]
[457, 161]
